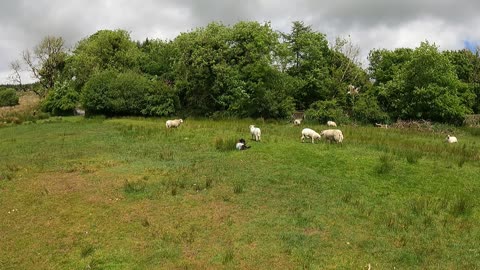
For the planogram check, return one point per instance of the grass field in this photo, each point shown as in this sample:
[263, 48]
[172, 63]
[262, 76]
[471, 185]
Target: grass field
[128, 194]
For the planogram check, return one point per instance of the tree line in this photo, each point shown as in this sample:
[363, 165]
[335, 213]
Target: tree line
[250, 70]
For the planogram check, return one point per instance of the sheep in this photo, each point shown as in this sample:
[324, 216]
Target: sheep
[297, 122]
[451, 139]
[331, 124]
[173, 123]
[381, 125]
[310, 133]
[332, 135]
[256, 133]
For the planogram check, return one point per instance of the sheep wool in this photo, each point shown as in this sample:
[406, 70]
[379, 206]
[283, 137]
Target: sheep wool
[310, 133]
[331, 124]
[451, 139]
[173, 123]
[332, 135]
[256, 133]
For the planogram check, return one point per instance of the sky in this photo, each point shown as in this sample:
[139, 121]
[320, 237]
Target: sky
[371, 24]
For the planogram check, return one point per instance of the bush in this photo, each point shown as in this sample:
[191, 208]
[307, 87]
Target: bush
[325, 110]
[61, 100]
[8, 97]
[113, 93]
[367, 110]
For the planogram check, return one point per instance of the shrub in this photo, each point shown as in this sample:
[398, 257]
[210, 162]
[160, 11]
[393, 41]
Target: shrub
[8, 97]
[129, 93]
[61, 100]
[325, 110]
[367, 110]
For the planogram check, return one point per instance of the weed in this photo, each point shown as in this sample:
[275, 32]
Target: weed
[87, 251]
[208, 183]
[223, 144]
[238, 188]
[145, 222]
[134, 186]
[228, 256]
[462, 205]
[386, 164]
[173, 190]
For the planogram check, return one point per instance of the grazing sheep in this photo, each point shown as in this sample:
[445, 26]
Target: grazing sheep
[331, 124]
[173, 123]
[310, 133]
[256, 133]
[297, 122]
[381, 125]
[332, 135]
[451, 139]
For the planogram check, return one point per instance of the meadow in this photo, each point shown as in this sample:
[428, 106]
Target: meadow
[126, 193]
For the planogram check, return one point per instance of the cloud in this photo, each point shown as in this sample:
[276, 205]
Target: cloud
[370, 23]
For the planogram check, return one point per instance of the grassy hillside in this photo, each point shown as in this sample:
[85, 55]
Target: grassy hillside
[129, 194]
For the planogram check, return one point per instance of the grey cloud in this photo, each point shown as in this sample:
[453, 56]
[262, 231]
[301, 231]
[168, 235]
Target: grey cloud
[371, 23]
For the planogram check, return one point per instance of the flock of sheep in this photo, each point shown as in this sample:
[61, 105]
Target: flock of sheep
[331, 135]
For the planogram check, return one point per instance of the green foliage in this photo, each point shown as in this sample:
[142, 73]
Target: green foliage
[367, 110]
[425, 87]
[114, 93]
[326, 110]
[8, 97]
[61, 100]
[104, 50]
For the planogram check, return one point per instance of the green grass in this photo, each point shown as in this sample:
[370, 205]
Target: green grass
[129, 194]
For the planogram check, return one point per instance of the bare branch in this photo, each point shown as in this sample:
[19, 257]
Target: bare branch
[15, 76]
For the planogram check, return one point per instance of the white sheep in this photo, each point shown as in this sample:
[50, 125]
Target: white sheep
[331, 124]
[173, 123]
[332, 135]
[256, 133]
[381, 125]
[451, 139]
[310, 133]
[297, 122]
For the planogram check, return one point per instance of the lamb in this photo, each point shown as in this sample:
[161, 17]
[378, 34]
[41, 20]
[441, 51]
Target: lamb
[381, 125]
[332, 135]
[256, 133]
[331, 124]
[310, 133]
[297, 122]
[173, 123]
[451, 139]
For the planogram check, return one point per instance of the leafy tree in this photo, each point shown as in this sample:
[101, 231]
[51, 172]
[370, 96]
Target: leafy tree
[200, 51]
[384, 64]
[159, 59]
[467, 68]
[426, 87]
[104, 50]
[309, 64]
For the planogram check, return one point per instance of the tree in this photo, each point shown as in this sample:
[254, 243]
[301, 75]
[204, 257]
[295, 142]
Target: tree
[104, 50]
[309, 64]
[426, 87]
[15, 77]
[47, 61]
